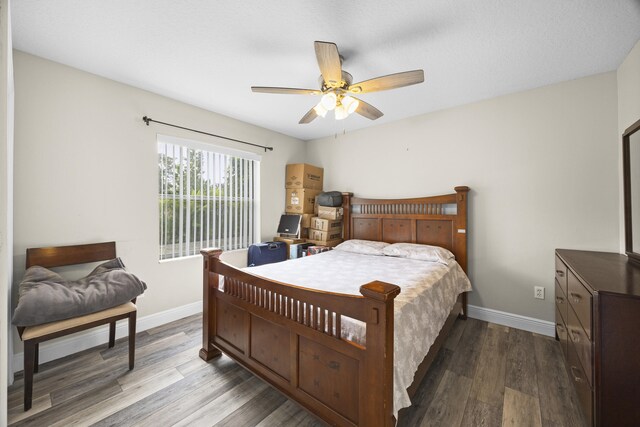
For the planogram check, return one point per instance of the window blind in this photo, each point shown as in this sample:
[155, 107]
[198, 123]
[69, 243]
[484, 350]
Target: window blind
[208, 197]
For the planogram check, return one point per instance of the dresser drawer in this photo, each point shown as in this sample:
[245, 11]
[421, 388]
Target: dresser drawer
[578, 378]
[561, 274]
[580, 300]
[561, 303]
[579, 341]
[561, 331]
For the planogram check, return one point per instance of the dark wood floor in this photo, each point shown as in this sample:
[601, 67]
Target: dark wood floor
[487, 375]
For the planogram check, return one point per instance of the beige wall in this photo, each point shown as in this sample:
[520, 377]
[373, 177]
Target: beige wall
[629, 89]
[6, 199]
[86, 171]
[542, 166]
[628, 111]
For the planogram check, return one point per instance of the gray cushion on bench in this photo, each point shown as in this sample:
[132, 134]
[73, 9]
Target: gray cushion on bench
[44, 296]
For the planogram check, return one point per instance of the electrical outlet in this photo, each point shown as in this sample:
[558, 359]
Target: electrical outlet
[538, 292]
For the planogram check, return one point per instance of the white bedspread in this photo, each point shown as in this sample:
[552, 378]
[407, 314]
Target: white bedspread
[429, 291]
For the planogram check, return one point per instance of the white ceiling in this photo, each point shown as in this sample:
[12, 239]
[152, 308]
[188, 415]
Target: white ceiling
[209, 53]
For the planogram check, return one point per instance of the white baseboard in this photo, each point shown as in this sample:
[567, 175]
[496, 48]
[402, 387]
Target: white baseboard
[542, 327]
[61, 347]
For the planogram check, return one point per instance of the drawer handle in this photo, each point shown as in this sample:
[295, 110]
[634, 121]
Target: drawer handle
[560, 273]
[576, 297]
[560, 300]
[576, 378]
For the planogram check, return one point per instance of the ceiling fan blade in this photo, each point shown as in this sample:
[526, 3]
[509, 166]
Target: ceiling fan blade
[309, 117]
[285, 90]
[329, 63]
[368, 110]
[390, 81]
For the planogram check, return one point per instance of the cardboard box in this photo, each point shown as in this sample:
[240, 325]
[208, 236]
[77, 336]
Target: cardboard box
[304, 233]
[305, 222]
[315, 234]
[288, 241]
[324, 235]
[326, 212]
[329, 243]
[326, 224]
[300, 200]
[302, 175]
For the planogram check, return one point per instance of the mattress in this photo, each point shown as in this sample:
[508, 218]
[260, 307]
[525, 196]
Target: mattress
[429, 292]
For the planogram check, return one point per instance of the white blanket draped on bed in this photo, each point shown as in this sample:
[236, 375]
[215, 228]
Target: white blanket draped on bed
[429, 291]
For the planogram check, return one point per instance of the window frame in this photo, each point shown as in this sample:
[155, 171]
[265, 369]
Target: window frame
[239, 218]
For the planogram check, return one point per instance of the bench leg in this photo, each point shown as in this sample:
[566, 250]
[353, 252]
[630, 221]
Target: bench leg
[36, 359]
[29, 363]
[132, 338]
[112, 334]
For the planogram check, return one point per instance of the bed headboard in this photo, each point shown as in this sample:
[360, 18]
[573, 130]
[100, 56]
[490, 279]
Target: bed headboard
[435, 220]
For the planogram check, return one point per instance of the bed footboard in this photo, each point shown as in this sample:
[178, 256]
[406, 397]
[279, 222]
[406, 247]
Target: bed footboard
[291, 337]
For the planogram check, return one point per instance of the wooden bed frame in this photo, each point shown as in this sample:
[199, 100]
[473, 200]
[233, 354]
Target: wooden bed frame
[290, 336]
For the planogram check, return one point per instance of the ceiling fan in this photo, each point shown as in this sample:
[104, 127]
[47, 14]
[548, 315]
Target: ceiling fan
[336, 87]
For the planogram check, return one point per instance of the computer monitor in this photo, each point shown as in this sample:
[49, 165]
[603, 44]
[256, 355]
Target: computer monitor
[289, 225]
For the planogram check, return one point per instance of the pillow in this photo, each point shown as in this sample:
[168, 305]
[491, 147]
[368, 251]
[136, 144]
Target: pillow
[420, 252]
[44, 296]
[106, 266]
[364, 247]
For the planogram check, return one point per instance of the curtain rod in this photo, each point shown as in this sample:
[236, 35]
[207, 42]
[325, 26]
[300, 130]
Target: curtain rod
[149, 119]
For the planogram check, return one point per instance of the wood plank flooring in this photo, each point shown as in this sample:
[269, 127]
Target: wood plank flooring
[486, 375]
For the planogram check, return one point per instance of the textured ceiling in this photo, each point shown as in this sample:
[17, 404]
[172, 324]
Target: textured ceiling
[209, 53]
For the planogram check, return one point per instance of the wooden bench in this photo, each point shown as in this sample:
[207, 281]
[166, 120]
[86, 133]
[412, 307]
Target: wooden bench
[32, 336]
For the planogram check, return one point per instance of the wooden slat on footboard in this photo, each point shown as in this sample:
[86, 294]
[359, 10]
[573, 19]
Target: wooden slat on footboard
[291, 337]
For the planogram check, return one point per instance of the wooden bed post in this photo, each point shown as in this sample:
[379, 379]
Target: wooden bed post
[376, 384]
[460, 240]
[210, 283]
[346, 218]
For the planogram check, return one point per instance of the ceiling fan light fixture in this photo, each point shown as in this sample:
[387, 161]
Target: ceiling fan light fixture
[341, 112]
[350, 104]
[336, 85]
[320, 110]
[329, 100]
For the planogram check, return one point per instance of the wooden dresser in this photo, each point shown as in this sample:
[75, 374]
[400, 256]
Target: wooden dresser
[598, 325]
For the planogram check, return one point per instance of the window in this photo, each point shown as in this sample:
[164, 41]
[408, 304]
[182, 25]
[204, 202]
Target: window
[208, 197]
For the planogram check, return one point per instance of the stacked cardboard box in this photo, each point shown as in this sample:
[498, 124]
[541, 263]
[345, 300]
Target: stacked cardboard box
[326, 212]
[303, 183]
[305, 223]
[326, 228]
